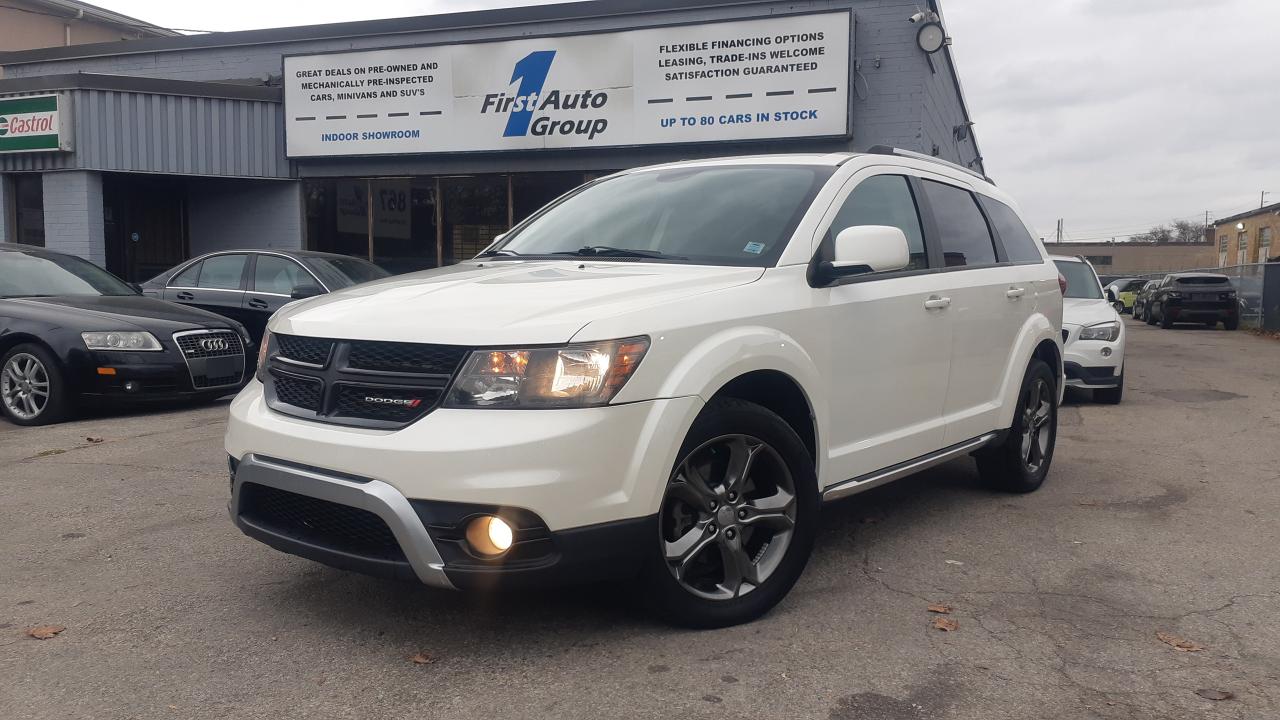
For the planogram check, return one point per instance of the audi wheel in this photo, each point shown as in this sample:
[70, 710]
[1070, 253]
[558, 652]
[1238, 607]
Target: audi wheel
[32, 391]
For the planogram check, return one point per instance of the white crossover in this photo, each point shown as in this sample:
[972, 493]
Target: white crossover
[1093, 333]
[659, 378]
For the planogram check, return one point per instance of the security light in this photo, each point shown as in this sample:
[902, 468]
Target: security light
[931, 37]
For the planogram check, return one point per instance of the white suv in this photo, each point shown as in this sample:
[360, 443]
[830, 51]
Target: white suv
[661, 377]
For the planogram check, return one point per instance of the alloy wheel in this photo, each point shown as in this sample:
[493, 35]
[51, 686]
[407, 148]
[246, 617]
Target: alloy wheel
[24, 386]
[728, 517]
[1036, 414]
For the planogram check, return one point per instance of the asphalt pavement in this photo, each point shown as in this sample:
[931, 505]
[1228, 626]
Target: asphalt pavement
[1160, 519]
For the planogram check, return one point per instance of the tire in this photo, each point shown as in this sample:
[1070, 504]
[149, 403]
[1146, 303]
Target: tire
[1232, 324]
[1150, 317]
[1139, 314]
[1165, 322]
[1211, 325]
[32, 389]
[1111, 396]
[1020, 463]
[737, 553]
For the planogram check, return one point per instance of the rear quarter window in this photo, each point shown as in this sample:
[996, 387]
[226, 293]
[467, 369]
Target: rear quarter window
[1019, 245]
[966, 239]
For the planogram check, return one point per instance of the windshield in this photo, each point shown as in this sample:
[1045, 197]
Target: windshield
[740, 215]
[1081, 282]
[1132, 286]
[339, 273]
[37, 274]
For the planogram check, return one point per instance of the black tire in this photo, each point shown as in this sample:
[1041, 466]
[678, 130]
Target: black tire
[1111, 396]
[1232, 324]
[1150, 318]
[1011, 467]
[1139, 313]
[1211, 324]
[1165, 322]
[678, 601]
[58, 404]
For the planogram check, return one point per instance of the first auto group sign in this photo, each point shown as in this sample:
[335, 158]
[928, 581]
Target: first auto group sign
[778, 77]
[32, 123]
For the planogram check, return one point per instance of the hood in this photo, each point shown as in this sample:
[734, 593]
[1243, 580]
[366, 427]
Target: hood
[125, 312]
[1077, 311]
[501, 303]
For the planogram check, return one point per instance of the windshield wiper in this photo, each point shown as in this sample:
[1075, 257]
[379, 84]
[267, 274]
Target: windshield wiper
[499, 253]
[607, 251]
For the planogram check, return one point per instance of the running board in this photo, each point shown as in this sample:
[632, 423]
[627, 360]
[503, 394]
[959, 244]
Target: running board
[894, 472]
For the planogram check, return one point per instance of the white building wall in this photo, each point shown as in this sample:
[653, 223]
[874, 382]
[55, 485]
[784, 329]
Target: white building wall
[73, 221]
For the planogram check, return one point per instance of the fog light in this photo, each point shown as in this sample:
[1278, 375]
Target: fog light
[489, 536]
[1106, 352]
[131, 386]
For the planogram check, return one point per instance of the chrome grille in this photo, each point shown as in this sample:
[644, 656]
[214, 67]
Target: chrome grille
[215, 358]
[209, 344]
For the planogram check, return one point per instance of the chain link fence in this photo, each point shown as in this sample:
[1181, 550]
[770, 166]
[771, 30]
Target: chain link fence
[1257, 287]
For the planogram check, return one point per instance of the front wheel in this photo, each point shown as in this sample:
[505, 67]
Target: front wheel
[1021, 462]
[1111, 396]
[32, 391]
[1137, 312]
[1165, 321]
[738, 520]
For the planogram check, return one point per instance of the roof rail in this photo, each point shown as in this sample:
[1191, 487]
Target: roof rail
[899, 152]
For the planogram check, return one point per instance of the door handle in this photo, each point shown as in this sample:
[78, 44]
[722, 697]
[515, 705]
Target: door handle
[185, 296]
[937, 303]
[1015, 292]
[257, 303]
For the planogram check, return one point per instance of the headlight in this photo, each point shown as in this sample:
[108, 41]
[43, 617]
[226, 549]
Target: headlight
[261, 372]
[571, 376]
[122, 340]
[1107, 332]
[1174, 294]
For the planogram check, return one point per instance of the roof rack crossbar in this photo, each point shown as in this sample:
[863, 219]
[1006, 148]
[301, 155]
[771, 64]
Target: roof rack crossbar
[899, 152]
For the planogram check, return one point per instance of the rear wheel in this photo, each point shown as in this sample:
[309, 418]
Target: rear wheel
[738, 520]
[1150, 317]
[32, 391]
[1232, 324]
[1021, 462]
[1165, 321]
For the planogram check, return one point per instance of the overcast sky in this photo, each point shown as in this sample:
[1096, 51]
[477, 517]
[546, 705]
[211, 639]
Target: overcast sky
[1112, 114]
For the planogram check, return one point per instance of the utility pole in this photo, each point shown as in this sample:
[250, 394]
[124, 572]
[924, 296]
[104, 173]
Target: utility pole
[1059, 230]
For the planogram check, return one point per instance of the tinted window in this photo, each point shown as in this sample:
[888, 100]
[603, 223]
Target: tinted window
[965, 237]
[885, 200]
[738, 215]
[222, 272]
[1210, 280]
[187, 278]
[47, 274]
[1081, 282]
[1132, 286]
[279, 275]
[340, 272]
[1018, 243]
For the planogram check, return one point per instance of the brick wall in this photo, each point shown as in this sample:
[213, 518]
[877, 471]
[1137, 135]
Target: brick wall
[73, 220]
[1253, 232]
[231, 214]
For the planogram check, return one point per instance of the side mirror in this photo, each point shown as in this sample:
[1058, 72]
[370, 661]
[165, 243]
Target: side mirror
[302, 292]
[869, 248]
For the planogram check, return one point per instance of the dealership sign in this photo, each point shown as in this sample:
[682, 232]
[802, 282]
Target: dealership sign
[777, 77]
[32, 124]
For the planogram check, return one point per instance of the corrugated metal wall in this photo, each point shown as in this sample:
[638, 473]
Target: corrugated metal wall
[144, 132]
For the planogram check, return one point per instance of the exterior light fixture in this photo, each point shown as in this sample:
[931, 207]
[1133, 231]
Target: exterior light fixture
[931, 37]
[1240, 226]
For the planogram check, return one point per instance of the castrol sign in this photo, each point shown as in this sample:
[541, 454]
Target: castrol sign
[32, 123]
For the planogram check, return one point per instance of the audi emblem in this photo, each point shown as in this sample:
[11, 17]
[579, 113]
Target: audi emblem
[214, 344]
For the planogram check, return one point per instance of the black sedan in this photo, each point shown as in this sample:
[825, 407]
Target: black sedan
[249, 285]
[70, 332]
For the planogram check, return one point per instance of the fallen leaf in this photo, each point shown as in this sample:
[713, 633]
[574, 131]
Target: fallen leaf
[940, 608]
[422, 659]
[945, 624]
[93, 440]
[1177, 643]
[44, 632]
[1208, 694]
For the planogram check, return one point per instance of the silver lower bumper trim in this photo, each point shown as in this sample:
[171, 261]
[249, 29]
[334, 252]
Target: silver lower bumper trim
[374, 496]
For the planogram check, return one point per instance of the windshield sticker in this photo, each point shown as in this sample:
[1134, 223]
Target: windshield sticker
[754, 248]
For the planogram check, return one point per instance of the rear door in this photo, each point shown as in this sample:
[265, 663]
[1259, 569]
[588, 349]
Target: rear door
[991, 301]
[273, 279]
[216, 284]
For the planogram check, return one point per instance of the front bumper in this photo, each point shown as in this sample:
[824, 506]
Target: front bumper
[582, 487]
[1086, 363]
[140, 377]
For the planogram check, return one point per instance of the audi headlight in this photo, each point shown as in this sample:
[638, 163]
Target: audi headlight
[1106, 332]
[121, 340]
[580, 375]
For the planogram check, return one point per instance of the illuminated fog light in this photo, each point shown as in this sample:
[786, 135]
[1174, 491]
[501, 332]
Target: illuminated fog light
[489, 536]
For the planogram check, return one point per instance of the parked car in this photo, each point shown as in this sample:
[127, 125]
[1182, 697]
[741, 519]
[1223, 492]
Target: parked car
[661, 375]
[1092, 332]
[1194, 297]
[71, 332]
[249, 285]
[1142, 301]
[1121, 293]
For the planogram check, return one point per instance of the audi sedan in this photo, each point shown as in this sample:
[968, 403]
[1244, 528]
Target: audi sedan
[72, 333]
